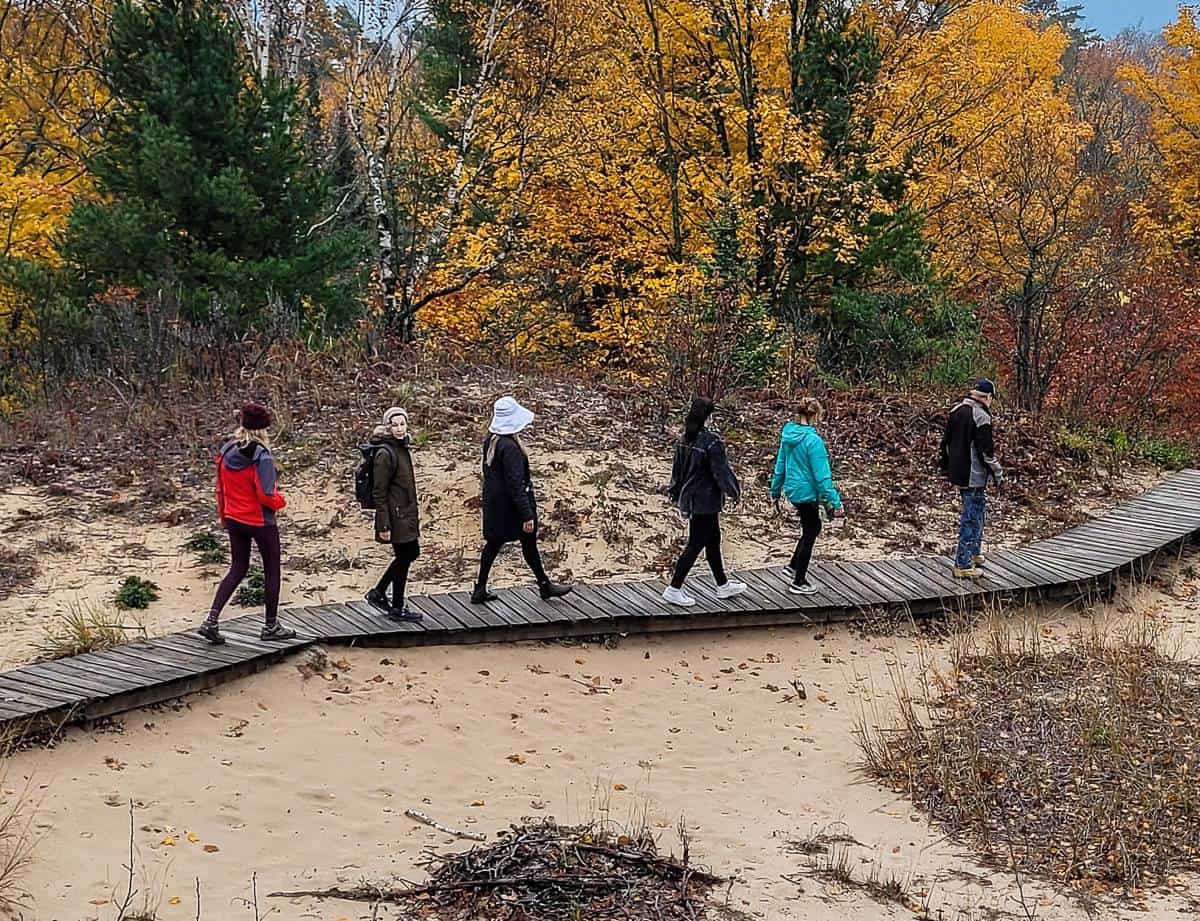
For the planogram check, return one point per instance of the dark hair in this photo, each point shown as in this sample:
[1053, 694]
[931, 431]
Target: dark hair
[702, 408]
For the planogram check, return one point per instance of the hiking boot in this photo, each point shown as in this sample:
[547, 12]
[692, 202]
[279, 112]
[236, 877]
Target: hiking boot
[969, 573]
[404, 614]
[978, 561]
[730, 589]
[677, 596]
[377, 599]
[482, 596]
[550, 590]
[276, 631]
[212, 633]
[803, 588]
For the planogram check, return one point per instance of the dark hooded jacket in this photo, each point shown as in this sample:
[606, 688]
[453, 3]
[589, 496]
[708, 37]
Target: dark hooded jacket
[968, 454]
[508, 500]
[701, 478]
[396, 507]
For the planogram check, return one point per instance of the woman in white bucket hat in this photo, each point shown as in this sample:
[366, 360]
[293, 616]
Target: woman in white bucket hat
[509, 506]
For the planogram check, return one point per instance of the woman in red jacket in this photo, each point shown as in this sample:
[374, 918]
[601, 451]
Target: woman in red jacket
[247, 501]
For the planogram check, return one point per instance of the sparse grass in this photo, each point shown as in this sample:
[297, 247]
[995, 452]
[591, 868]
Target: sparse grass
[56, 543]
[1075, 763]
[135, 593]
[1174, 455]
[17, 842]
[85, 628]
[253, 590]
[17, 569]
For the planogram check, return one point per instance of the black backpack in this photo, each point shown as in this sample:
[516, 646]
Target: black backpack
[364, 476]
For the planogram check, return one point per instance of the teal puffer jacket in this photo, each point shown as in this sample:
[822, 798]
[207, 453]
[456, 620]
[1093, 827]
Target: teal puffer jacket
[802, 468]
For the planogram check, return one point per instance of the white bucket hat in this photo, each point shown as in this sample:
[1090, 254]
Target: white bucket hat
[509, 417]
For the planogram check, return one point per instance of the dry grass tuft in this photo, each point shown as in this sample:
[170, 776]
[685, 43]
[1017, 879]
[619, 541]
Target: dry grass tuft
[17, 842]
[1077, 764]
[86, 628]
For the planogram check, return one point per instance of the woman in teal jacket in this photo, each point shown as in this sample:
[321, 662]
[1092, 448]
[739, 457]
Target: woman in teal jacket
[802, 474]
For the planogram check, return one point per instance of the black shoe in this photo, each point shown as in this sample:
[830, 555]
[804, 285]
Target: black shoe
[482, 596]
[212, 633]
[277, 631]
[377, 599]
[404, 614]
[550, 590]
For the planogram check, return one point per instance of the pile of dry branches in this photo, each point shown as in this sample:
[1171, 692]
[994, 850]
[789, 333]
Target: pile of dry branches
[550, 872]
[1079, 765]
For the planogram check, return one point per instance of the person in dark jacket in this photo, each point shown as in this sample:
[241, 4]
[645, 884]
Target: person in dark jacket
[509, 505]
[802, 473]
[247, 501]
[968, 457]
[397, 514]
[701, 481]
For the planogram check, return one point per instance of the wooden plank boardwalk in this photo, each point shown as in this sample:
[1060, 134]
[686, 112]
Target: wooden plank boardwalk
[1084, 561]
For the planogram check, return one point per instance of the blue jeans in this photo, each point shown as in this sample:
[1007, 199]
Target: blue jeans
[970, 529]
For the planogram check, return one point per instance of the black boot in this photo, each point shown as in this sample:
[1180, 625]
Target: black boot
[550, 590]
[482, 596]
[403, 613]
[212, 633]
[377, 599]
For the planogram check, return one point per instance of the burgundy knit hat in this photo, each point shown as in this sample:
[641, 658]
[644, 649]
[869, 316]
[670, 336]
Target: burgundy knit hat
[255, 417]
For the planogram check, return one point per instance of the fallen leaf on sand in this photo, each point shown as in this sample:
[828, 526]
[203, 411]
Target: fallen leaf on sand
[169, 841]
[477, 802]
[517, 759]
[211, 848]
[193, 837]
[174, 900]
[620, 786]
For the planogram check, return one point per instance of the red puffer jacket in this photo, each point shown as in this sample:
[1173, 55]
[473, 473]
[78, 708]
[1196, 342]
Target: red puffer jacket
[246, 485]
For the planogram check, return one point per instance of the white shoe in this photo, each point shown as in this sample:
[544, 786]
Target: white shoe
[807, 588]
[729, 589]
[678, 596]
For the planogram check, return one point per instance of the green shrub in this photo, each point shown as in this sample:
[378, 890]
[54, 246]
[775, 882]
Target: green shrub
[1077, 444]
[1174, 455]
[136, 593]
[208, 547]
[253, 590]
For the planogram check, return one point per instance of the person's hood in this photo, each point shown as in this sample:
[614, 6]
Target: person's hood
[381, 436]
[794, 433]
[236, 457]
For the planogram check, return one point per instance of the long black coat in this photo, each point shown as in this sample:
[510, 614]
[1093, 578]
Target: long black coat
[508, 500]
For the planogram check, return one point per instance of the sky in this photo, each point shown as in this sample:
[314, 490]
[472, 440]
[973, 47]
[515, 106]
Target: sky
[1108, 17]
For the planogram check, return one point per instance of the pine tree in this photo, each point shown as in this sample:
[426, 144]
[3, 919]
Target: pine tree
[205, 190]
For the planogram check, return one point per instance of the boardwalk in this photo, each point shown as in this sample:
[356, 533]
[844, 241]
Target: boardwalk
[1084, 560]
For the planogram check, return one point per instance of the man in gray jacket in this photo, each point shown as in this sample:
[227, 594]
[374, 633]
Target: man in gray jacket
[968, 458]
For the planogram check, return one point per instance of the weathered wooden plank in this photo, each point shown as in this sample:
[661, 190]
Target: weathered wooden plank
[934, 588]
[384, 624]
[81, 680]
[859, 585]
[435, 618]
[522, 602]
[471, 616]
[583, 602]
[829, 586]
[13, 690]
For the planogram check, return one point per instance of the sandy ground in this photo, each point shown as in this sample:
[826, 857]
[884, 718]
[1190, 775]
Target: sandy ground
[302, 782]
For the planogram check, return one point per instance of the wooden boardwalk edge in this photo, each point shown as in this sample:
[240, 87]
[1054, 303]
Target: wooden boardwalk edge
[1084, 563]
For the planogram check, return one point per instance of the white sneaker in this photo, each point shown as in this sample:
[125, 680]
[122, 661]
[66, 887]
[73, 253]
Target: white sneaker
[678, 596]
[806, 588]
[729, 589]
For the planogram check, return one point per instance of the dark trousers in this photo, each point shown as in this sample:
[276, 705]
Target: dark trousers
[810, 530]
[704, 533]
[529, 549]
[396, 574]
[240, 538]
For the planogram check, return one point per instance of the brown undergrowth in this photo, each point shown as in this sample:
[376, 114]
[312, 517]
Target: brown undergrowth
[123, 449]
[1077, 764]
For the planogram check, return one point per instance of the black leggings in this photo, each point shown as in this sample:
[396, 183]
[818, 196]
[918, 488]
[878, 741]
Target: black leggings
[810, 529]
[397, 572]
[704, 533]
[240, 536]
[529, 548]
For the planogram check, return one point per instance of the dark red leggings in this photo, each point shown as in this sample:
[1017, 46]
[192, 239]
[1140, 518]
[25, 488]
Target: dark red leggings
[240, 536]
